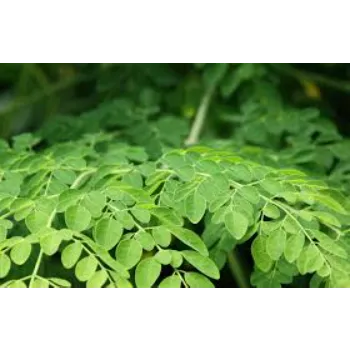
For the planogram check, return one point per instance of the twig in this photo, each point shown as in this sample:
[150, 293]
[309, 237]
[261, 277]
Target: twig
[36, 268]
[200, 117]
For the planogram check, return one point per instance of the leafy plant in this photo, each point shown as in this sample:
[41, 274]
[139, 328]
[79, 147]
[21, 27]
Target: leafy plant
[126, 195]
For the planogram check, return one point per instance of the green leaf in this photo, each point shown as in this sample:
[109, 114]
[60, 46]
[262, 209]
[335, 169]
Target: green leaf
[67, 199]
[330, 203]
[98, 279]
[218, 202]
[147, 272]
[133, 179]
[305, 215]
[271, 211]
[21, 252]
[7, 224]
[186, 173]
[324, 271]
[191, 239]
[250, 193]
[71, 254]
[146, 240]
[271, 186]
[5, 265]
[65, 176]
[176, 259]
[290, 225]
[173, 281]
[106, 258]
[167, 216]
[66, 234]
[259, 253]
[61, 282]
[301, 261]
[208, 166]
[202, 263]
[141, 215]
[22, 214]
[36, 220]
[86, 268]
[50, 242]
[17, 284]
[40, 283]
[314, 260]
[276, 243]
[327, 218]
[129, 253]
[174, 160]
[329, 244]
[240, 172]
[94, 202]
[162, 236]
[219, 216]
[236, 223]
[164, 257]
[77, 218]
[126, 220]
[195, 206]
[196, 280]
[294, 246]
[289, 196]
[22, 207]
[122, 282]
[107, 232]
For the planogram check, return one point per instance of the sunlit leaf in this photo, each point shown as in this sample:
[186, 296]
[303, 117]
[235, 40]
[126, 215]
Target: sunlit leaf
[147, 272]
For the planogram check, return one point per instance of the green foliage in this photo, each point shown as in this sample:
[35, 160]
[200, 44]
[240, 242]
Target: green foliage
[114, 198]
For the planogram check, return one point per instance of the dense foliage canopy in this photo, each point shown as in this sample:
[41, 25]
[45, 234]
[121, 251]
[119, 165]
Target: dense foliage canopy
[174, 175]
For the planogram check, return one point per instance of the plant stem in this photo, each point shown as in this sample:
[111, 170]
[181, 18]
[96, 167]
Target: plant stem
[237, 270]
[200, 117]
[36, 268]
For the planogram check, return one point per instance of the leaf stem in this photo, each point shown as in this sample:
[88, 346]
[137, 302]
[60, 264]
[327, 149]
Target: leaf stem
[36, 268]
[200, 117]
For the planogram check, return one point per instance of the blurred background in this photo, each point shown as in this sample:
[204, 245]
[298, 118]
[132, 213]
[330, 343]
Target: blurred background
[34, 95]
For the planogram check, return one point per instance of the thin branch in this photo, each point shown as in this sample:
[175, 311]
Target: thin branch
[200, 117]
